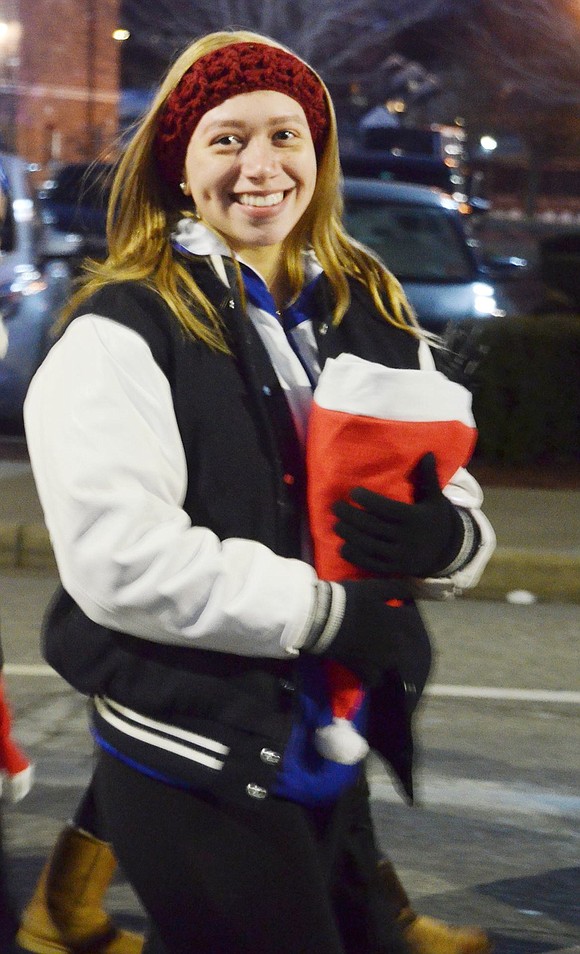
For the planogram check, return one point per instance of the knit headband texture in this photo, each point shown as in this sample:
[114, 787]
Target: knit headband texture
[226, 72]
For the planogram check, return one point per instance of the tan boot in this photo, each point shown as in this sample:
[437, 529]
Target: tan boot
[65, 914]
[426, 935]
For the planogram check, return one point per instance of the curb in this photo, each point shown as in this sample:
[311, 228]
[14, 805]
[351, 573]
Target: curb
[547, 574]
[26, 546]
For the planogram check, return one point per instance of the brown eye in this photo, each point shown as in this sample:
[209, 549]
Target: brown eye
[230, 140]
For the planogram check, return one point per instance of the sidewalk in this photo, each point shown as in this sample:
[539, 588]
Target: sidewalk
[538, 536]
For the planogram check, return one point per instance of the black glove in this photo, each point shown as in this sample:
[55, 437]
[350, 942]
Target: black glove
[387, 536]
[371, 636]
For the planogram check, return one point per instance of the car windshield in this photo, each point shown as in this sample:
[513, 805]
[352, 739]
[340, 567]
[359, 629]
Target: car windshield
[417, 243]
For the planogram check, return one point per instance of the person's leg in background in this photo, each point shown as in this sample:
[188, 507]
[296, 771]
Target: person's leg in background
[422, 934]
[366, 915]
[66, 911]
[426, 935]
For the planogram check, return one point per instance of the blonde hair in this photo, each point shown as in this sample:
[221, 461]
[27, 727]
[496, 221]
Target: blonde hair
[143, 211]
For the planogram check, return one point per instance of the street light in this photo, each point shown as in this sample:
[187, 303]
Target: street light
[488, 143]
[10, 32]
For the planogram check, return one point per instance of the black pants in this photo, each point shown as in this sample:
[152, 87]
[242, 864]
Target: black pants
[86, 815]
[273, 877]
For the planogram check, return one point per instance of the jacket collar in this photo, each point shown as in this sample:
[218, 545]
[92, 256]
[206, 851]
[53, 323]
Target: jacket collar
[195, 238]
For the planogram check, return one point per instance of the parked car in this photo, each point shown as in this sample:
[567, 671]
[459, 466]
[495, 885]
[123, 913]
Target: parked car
[73, 209]
[424, 239]
[30, 296]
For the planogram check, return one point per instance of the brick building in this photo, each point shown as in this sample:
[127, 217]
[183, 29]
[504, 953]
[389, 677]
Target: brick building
[59, 78]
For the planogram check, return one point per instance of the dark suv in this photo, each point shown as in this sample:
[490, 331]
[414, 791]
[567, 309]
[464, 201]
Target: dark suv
[73, 209]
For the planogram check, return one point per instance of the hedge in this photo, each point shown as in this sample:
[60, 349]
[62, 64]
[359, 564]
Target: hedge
[526, 391]
[560, 264]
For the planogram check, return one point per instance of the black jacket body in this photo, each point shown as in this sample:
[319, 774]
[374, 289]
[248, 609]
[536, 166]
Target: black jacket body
[245, 479]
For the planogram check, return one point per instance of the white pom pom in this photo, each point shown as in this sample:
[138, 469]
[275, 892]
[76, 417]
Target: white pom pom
[340, 742]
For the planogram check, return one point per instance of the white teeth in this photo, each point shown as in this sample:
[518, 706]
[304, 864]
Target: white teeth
[249, 198]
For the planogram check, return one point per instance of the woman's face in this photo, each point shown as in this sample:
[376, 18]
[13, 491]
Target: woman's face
[251, 171]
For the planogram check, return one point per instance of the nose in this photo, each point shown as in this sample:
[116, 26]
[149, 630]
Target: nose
[259, 159]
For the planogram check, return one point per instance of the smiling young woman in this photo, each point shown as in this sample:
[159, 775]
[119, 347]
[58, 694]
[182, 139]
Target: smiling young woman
[167, 433]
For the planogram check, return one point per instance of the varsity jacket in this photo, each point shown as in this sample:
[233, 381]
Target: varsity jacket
[188, 639]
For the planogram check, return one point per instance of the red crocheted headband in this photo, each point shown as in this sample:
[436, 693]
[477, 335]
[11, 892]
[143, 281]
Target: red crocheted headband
[226, 72]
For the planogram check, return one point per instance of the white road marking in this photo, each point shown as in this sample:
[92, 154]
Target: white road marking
[29, 669]
[503, 695]
[501, 799]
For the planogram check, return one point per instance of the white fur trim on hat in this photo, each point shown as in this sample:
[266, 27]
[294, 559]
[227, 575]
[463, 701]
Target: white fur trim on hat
[340, 742]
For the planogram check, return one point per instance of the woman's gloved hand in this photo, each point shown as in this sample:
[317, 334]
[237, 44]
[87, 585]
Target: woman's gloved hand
[362, 631]
[387, 537]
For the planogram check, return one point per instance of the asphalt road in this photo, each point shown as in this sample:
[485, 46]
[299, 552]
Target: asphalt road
[494, 837]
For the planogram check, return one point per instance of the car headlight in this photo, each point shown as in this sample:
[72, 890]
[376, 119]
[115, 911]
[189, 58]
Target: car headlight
[27, 281]
[484, 302]
[33, 288]
[23, 210]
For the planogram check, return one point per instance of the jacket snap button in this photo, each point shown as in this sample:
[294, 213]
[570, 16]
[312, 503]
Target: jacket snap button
[270, 757]
[231, 303]
[323, 328]
[287, 686]
[410, 687]
[266, 390]
[255, 791]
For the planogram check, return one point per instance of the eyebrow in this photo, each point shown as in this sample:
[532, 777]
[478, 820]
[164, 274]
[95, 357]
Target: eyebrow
[238, 124]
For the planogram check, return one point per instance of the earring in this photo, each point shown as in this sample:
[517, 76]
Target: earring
[187, 191]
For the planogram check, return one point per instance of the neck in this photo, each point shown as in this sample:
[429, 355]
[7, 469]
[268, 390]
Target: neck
[280, 291]
[268, 262]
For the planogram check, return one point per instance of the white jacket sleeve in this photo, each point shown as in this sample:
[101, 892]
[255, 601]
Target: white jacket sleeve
[110, 470]
[464, 491]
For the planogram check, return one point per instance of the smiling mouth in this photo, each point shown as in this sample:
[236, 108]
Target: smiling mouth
[260, 201]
